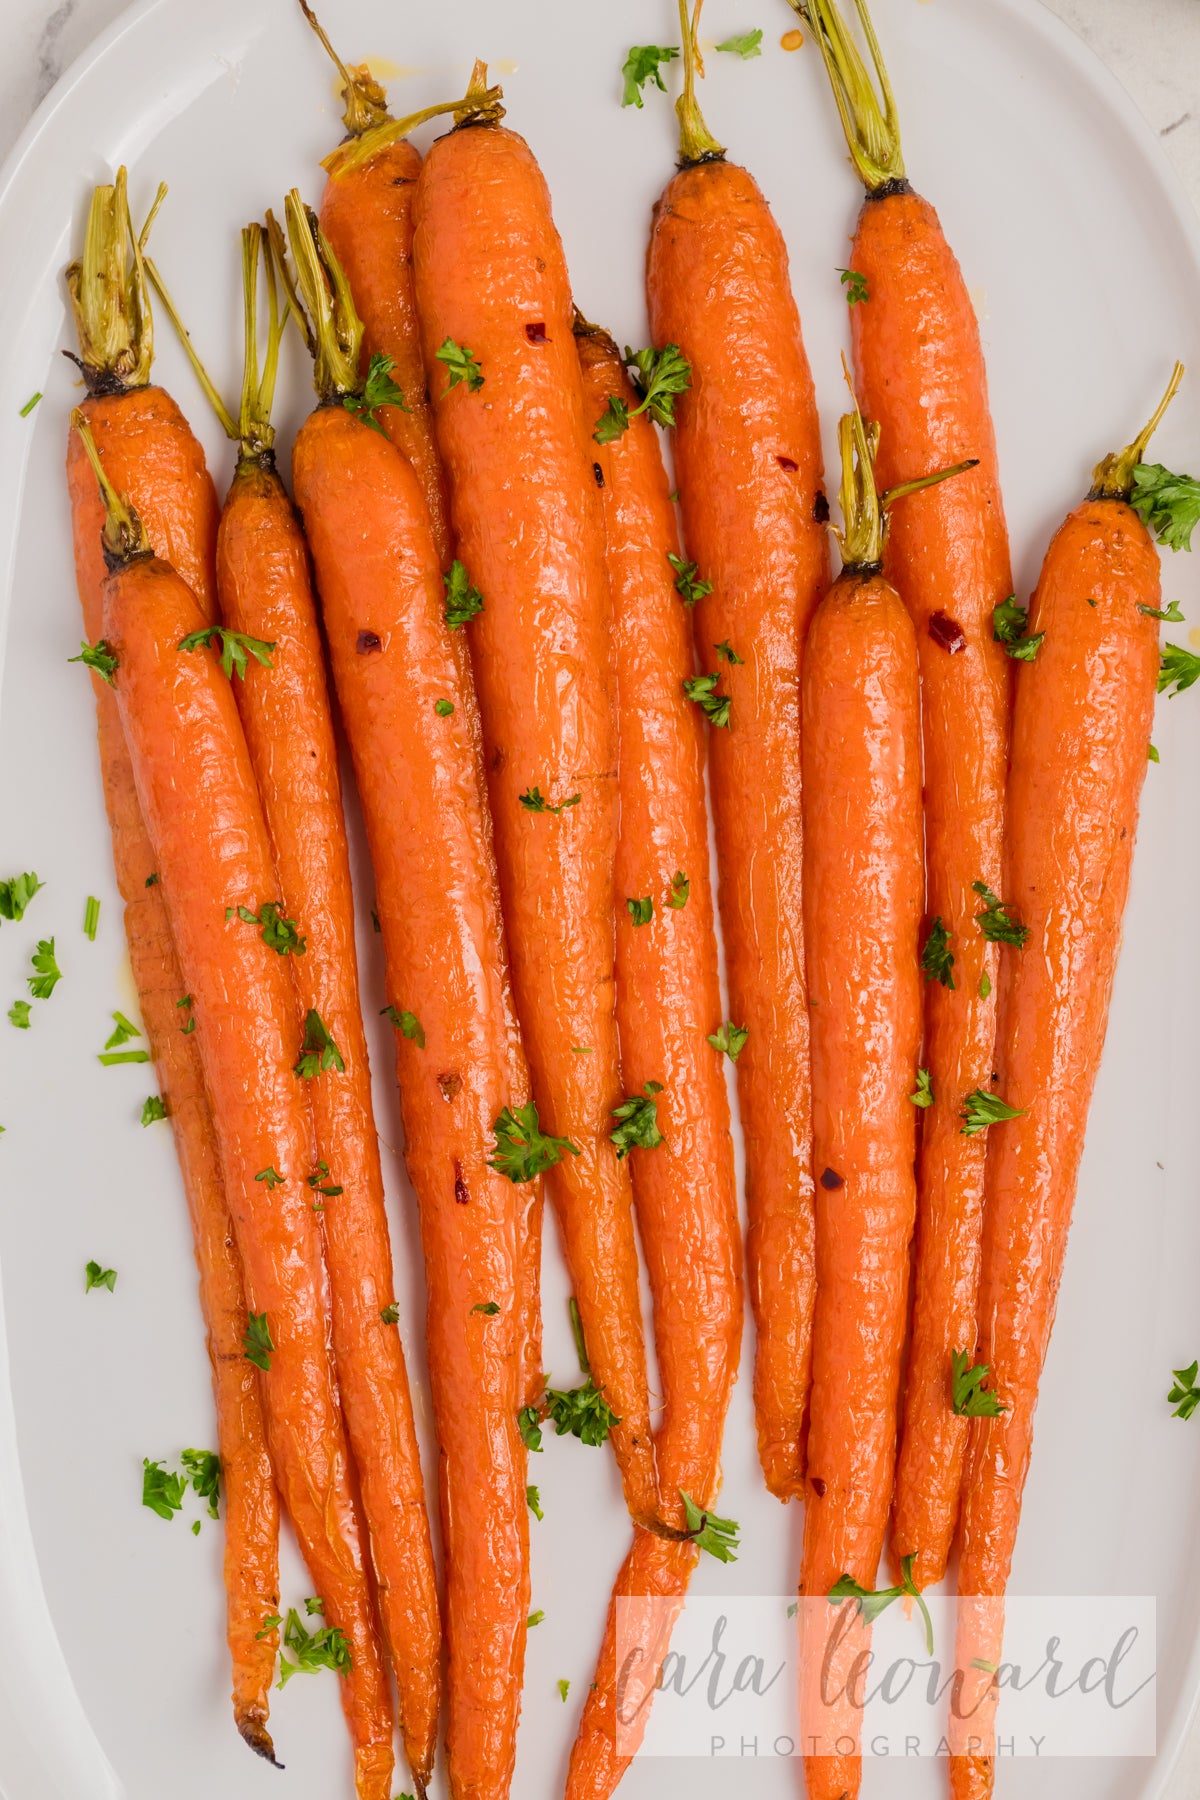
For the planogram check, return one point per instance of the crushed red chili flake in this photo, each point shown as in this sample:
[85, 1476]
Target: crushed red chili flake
[821, 509]
[947, 632]
[818, 1486]
[536, 333]
[460, 1186]
[369, 640]
[831, 1179]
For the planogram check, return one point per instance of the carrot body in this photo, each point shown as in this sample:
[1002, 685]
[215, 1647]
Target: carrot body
[153, 456]
[863, 887]
[668, 1002]
[193, 774]
[526, 513]
[1081, 733]
[748, 458]
[367, 215]
[921, 376]
[421, 783]
[264, 590]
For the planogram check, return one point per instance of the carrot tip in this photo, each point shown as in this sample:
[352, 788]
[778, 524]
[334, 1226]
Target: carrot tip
[253, 1729]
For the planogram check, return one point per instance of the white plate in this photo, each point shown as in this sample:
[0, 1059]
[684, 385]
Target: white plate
[1083, 261]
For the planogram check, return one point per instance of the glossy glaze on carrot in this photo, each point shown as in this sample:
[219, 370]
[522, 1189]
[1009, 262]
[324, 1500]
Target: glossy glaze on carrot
[191, 764]
[1081, 736]
[265, 591]
[863, 889]
[748, 460]
[421, 783]
[668, 1003]
[526, 515]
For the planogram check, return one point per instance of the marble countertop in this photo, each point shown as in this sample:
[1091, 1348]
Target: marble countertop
[1153, 46]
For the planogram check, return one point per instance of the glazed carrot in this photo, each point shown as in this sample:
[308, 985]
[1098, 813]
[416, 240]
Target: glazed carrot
[1081, 737]
[193, 772]
[919, 364]
[748, 458]
[264, 591]
[409, 710]
[147, 445]
[495, 307]
[366, 213]
[668, 1005]
[863, 888]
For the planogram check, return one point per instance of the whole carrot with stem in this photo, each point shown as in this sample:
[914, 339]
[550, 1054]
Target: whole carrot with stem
[403, 680]
[668, 1012]
[1080, 746]
[264, 592]
[748, 458]
[495, 306]
[863, 890]
[192, 769]
[149, 449]
[367, 215]
[920, 369]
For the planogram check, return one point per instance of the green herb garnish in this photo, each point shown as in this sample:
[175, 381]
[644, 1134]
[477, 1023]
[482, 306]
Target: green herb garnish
[937, 962]
[462, 366]
[687, 586]
[48, 974]
[153, 1109]
[257, 1340]
[236, 648]
[719, 1537]
[643, 64]
[703, 690]
[855, 285]
[99, 658]
[463, 601]
[407, 1023]
[638, 1127]
[729, 1039]
[318, 1051]
[96, 1277]
[924, 1094]
[378, 390]
[968, 1396]
[996, 921]
[981, 1109]
[523, 1150]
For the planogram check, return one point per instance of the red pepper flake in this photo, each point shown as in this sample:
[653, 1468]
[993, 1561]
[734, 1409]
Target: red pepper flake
[821, 509]
[831, 1179]
[460, 1186]
[785, 462]
[818, 1486]
[537, 333]
[369, 640]
[947, 632]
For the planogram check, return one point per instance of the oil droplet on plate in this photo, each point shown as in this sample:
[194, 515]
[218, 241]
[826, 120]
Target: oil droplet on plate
[791, 40]
[978, 299]
[1194, 637]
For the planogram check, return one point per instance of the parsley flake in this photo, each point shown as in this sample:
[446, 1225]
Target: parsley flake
[236, 648]
[719, 1537]
[681, 887]
[529, 1426]
[1171, 615]
[1179, 670]
[981, 1109]
[703, 690]
[1184, 1395]
[443, 708]
[533, 1501]
[313, 1650]
[29, 405]
[96, 1277]
[996, 921]
[523, 1150]
[968, 1396]
[643, 64]
[726, 653]
[660, 376]
[463, 602]
[937, 960]
[564, 1688]
[390, 1314]
[318, 1051]
[924, 1094]
[406, 1023]
[257, 1341]
[488, 1307]
[48, 974]
[462, 366]
[99, 658]
[638, 1127]
[640, 911]
[580, 1412]
[746, 44]
[153, 1109]
[613, 421]
[162, 1491]
[535, 1618]
[278, 934]
[204, 1468]
[729, 1039]
[270, 1177]
[687, 586]
[18, 1014]
[16, 894]
[855, 284]
[123, 1030]
[378, 390]
[873, 1601]
[534, 801]
[1168, 504]
[1010, 627]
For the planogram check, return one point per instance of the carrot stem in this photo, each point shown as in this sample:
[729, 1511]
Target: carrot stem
[869, 118]
[366, 102]
[124, 534]
[1112, 478]
[696, 142]
[107, 288]
[864, 508]
[321, 294]
[224, 416]
[477, 106]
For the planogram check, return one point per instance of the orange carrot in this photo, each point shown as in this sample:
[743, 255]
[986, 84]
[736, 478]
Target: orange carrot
[496, 314]
[920, 365]
[863, 889]
[152, 454]
[668, 1008]
[193, 772]
[748, 457]
[265, 593]
[1081, 738]
[410, 716]
[366, 213]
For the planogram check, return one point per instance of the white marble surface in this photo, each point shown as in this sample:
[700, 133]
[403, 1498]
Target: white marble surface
[1153, 46]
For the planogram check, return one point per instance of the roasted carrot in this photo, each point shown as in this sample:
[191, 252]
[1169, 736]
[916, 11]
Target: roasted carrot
[863, 890]
[366, 213]
[1080, 744]
[192, 768]
[409, 709]
[151, 452]
[264, 592]
[495, 307]
[668, 1007]
[748, 458]
[919, 364]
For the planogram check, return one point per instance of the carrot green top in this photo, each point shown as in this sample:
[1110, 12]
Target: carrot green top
[1112, 478]
[864, 509]
[696, 142]
[109, 298]
[868, 117]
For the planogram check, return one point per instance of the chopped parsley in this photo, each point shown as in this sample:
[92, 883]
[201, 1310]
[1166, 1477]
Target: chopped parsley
[18, 1014]
[719, 1537]
[99, 658]
[523, 1150]
[1168, 504]
[390, 1314]
[1179, 670]
[186, 1003]
[687, 586]
[529, 1426]
[96, 1277]
[153, 1109]
[613, 421]
[257, 1341]
[162, 1491]
[47, 972]
[937, 960]
[278, 934]
[726, 653]
[270, 1177]
[746, 44]
[16, 894]
[580, 1412]
[855, 284]
[1010, 627]
[659, 376]
[534, 801]
[873, 1601]
[378, 390]
[320, 1182]
[681, 887]
[236, 648]
[968, 1396]
[533, 1501]
[313, 1650]
[640, 911]
[564, 1688]
[123, 1030]
[1171, 615]
[985, 985]
[1184, 1395]
[487, 1307]
[996, 921]
[407, 1023]
[462, 366]
[443, 708]
[463, 601]
[204, 1468]
[91, 918]
[729, 1039]
[703, 690]
[318, 1052]
[643, 64]
[924, 1094]
[638, 1127]
[981, 1109]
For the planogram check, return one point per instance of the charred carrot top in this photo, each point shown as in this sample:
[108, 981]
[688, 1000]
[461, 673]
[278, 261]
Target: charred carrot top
[108, 293]
[869, 120]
